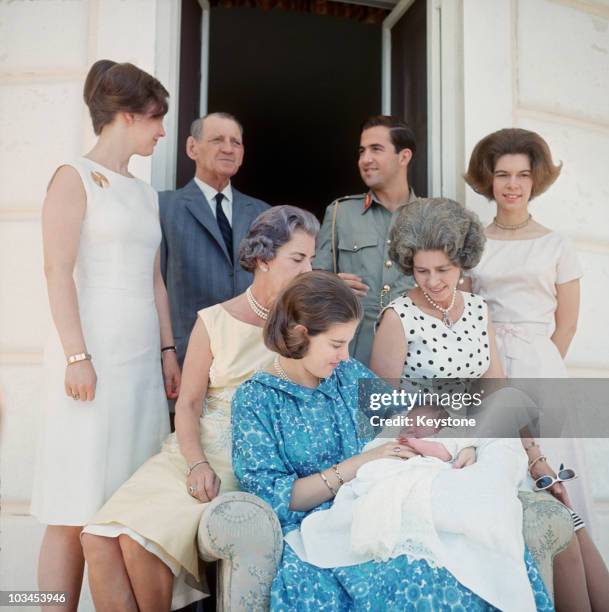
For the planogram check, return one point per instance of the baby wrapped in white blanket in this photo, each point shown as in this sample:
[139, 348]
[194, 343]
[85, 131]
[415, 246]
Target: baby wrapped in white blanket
[392, 512]
[467, 520]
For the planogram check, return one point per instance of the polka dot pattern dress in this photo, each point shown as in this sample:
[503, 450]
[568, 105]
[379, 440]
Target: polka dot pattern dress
[437, 351]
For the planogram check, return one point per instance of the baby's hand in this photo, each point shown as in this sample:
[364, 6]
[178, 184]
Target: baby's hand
[428, 448]
[465, 458]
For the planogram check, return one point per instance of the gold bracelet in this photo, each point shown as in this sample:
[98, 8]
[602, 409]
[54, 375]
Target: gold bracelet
[340, 478]
[534, 461]
[70, 359]
[332, 489]
[194, 464]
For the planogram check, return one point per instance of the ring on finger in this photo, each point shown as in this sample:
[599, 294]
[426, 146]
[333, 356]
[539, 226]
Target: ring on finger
[74, 396]
[396, 450]
[192, 490]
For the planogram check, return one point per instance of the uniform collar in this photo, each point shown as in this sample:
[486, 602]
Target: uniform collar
[371, 197]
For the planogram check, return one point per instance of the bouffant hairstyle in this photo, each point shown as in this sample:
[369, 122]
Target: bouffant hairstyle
[316, 300]
[111, 88]
[400, 133]
[271, 230]
[436, 224]
[511, 141]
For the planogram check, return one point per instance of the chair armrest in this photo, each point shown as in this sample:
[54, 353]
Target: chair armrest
[548, 528]
[243, 533]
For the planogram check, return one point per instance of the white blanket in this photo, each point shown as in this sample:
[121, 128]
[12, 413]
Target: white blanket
[468, 521]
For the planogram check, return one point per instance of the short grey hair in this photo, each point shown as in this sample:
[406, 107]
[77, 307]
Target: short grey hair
[437, 224]
[196, 127]
[272, 229]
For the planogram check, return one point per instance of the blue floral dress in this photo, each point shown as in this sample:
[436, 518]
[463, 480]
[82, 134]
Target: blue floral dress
[282, 432]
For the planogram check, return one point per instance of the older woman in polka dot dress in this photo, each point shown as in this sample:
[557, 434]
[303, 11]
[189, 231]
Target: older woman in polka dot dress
[435, 330]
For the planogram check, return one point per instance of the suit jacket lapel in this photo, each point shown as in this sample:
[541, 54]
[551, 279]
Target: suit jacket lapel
[242, 219]
[199, 208]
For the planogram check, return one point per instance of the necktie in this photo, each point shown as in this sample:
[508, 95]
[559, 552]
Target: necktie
[224, 225]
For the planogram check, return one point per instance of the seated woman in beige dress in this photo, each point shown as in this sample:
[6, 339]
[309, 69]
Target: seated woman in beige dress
[141, 546]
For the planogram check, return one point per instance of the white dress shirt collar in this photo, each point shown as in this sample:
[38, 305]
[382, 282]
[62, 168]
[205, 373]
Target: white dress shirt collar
[210, 193]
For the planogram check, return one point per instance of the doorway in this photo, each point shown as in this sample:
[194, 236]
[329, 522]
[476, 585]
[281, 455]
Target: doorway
[301, 84]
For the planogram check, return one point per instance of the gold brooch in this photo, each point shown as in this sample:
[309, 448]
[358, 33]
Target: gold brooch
[99, 179]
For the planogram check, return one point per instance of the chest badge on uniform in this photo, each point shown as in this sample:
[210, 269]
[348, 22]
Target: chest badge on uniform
[99, 179]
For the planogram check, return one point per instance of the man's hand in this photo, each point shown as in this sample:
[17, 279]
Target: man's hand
[355, 283]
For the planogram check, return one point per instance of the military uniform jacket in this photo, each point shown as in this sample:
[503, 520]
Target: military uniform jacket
[354, 238]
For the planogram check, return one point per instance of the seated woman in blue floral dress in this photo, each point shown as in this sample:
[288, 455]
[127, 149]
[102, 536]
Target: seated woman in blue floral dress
[297, 439]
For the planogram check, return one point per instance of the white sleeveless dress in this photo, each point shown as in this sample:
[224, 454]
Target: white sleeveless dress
[86, 450]
[518, 279]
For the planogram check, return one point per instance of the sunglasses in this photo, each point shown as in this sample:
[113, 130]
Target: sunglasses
[545, 482]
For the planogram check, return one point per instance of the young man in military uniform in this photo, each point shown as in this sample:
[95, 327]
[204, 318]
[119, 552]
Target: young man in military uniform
[354, 237]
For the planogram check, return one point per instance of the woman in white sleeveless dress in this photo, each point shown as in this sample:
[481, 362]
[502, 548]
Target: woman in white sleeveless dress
[529, 276]
[104, 410]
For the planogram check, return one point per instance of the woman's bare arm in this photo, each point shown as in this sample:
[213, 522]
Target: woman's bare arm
[495, 369]
[63, 212]
[389, 347]
[171, 369]
[566, 315]
[202, 483]
[311, 491]
[195, 378]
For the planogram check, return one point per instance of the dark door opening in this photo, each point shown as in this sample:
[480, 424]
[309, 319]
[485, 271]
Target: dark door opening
[301, 84]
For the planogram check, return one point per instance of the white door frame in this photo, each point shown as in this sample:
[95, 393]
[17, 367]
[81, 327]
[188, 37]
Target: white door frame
[167, 70]
[444, 91]
[445, 112]
[396, 14]
[203, 92]
[444, 88]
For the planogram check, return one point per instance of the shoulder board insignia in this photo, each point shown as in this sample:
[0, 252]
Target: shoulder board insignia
[357, 196]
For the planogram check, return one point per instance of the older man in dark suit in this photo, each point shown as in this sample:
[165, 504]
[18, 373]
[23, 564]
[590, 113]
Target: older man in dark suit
[203, 224]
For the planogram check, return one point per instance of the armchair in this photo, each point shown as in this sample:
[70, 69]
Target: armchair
[242, 533]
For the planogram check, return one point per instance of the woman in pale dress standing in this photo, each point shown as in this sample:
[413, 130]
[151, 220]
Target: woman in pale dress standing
[529, 276]
[105, 376]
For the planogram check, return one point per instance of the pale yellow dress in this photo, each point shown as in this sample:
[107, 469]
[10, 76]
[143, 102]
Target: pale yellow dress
[153, 506]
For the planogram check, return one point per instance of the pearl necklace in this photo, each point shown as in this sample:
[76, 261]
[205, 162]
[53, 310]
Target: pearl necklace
[281, 373]
[279, 370]
[257, 307]
[512, 227]
[445, 318]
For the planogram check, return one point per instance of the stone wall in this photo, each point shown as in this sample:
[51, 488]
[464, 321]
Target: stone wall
[46, 48]
[543, 65]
